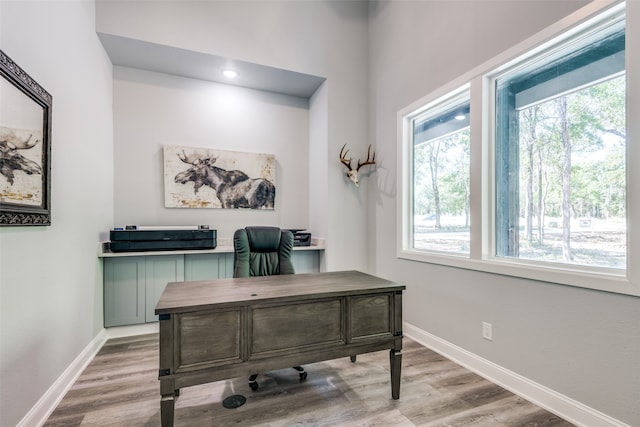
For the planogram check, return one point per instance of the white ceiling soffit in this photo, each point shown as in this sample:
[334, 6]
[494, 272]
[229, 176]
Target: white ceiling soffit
[133, 53]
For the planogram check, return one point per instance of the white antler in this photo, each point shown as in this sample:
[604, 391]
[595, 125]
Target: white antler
[194, 159]
[353, 173]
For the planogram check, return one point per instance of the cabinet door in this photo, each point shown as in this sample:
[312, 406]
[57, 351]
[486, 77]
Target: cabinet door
[161, 270]
[124, 291]
[228, 266]
[204, 266]
[306, 261]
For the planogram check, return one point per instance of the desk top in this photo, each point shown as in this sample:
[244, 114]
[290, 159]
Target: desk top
[180, 297]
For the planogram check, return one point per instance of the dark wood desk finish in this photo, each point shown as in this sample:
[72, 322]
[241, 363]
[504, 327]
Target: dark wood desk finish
[220, 329]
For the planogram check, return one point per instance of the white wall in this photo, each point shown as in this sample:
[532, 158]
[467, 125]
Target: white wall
[581, 343]
[321, 38]
[50, 277]
[153, 109]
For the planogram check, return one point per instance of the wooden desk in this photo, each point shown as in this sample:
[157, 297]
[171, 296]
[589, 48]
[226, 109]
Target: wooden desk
[220, 329]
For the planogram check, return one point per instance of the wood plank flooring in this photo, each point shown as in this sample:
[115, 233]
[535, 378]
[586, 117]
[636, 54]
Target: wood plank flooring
[120, 387]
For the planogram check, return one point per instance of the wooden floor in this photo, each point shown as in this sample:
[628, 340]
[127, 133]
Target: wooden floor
[120, 388]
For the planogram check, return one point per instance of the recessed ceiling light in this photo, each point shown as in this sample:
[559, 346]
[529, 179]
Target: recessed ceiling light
[230, 74]
[460, 117]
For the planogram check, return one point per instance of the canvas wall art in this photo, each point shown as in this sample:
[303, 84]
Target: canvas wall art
[207, 178]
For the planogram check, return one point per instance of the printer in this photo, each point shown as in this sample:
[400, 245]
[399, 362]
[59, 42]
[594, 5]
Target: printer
[161, 238]
[299, 238]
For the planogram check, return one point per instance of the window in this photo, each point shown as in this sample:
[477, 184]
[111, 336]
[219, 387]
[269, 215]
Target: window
[440, 140]
[560, 152]
[523, 167]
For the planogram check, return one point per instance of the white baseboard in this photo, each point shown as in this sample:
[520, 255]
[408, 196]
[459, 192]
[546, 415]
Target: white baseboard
[40, 412]
[129, 331]
[559, 404]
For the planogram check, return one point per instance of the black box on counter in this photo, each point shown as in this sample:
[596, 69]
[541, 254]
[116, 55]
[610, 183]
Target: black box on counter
[134, 240]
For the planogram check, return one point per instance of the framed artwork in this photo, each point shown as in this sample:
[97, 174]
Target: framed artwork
[25, 148]
[206, 178]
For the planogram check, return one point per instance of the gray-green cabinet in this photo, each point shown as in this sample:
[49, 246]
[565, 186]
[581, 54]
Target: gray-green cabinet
[160, 271]
[208, 266]
[303, 262]
[124, 291]
[133, 284]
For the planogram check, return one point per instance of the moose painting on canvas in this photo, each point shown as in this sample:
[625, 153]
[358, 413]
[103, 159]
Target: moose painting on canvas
[207, 178]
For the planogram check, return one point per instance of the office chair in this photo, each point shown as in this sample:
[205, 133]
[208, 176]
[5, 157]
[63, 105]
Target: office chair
[263, 251]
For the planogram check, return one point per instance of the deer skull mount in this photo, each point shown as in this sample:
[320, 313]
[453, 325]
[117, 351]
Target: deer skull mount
[352, 173]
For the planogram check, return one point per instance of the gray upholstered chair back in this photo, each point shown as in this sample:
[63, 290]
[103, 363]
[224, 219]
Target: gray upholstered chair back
[262, 251]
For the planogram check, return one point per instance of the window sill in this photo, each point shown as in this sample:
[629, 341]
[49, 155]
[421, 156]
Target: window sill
[605, 280]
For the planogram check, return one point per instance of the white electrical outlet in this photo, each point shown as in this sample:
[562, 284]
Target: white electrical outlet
[487, 331]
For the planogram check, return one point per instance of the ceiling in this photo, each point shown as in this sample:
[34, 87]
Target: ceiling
[143, 55]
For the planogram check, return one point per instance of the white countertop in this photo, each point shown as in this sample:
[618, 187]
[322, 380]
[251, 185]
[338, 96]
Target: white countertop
[224, 246]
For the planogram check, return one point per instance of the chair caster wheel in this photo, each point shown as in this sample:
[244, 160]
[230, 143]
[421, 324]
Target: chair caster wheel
[303, 376]
[253, 385]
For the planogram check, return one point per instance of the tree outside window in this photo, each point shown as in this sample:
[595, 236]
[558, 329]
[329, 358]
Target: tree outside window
[441, 156]
[560, 154]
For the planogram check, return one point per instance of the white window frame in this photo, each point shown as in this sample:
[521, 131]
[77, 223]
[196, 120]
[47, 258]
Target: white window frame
[451, 97]
[480, 79]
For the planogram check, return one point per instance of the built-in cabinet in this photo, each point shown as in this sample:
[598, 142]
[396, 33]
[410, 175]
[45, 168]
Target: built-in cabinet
[124, 291]
[159, 271]
[133, 283]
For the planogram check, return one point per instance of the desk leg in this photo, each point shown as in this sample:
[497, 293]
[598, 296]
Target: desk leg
[167, 401]
[168, 391]
[167, 405]
[395, 362]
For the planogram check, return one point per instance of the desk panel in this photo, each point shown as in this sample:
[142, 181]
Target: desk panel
[294, 326]
[208, 339]
[371, 315]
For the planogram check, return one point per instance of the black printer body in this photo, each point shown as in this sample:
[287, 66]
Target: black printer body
[300, 239]
[161, 240]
